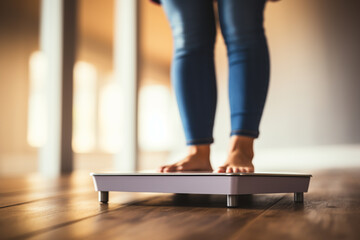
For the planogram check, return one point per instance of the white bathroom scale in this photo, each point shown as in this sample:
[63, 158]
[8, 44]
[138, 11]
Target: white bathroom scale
[231, 184]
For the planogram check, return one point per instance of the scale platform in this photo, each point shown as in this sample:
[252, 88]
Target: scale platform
[231, 184]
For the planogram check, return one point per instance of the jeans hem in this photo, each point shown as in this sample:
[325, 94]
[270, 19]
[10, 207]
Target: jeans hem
[247, 133]
[200, 141]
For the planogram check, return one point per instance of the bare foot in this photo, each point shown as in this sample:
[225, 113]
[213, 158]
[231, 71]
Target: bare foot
[240, 156]
[197, 160]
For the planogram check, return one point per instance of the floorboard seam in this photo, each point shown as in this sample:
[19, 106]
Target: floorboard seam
[32, 234]
[40, 199]
[45, 198]
[40, 231]
[22, 203]
[255, 219]
[27, 190]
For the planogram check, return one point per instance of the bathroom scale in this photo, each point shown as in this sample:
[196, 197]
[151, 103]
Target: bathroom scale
[231, 184]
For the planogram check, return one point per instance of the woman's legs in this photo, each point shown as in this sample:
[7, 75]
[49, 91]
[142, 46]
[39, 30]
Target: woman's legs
[241, 24]
[193, 77]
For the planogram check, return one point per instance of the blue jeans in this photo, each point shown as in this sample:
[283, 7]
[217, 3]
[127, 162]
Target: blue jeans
[193, 72]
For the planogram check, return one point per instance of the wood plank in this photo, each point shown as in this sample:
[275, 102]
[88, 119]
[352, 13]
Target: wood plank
[24, 220]
[32, 188]
[331, 211]
[38, 182]
[168, 217]
[11, 200]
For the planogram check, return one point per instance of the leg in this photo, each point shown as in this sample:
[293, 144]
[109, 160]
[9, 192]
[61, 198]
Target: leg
[242, 27]
[103, 197]
[299, 197]
[241, 24]
[193, 76]
[232, 200]
[193, 71]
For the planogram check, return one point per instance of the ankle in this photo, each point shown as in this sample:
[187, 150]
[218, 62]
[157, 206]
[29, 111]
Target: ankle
[201, 150]
[242, 143]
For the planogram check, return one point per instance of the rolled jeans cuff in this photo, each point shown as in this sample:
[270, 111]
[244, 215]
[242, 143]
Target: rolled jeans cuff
[200, 141]
[247, 133]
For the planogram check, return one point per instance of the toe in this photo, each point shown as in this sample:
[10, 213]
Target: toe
[162, 168]
[179, 168]
[250, 169]
[170, 168]
[236, 170]
[229, 170]
[220, 169]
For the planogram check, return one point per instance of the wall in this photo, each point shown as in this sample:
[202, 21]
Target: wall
[314, 97]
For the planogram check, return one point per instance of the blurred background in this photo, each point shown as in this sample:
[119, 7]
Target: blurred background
[311, 119]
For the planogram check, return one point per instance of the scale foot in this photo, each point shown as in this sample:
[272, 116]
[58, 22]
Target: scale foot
[299, 197]
[103, 197]
[232, 201]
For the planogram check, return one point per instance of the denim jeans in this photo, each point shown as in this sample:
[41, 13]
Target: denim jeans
[193, 78]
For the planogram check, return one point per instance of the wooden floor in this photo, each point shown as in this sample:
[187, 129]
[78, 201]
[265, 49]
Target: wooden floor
[67, 208]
